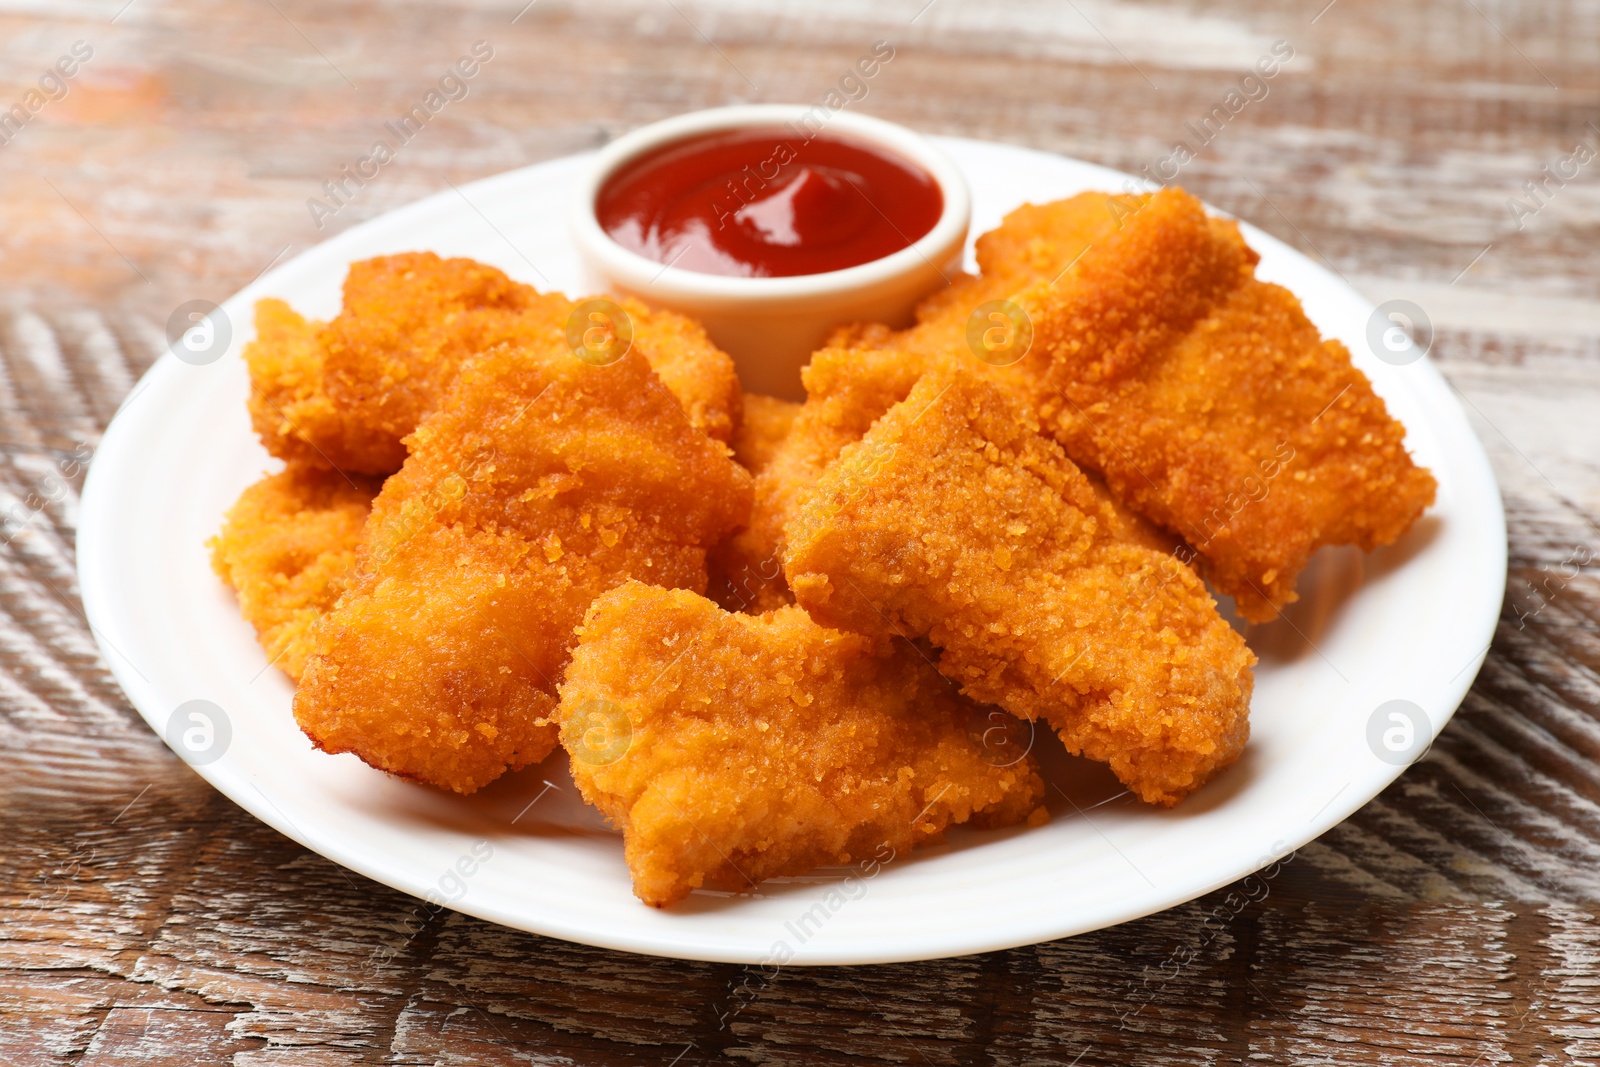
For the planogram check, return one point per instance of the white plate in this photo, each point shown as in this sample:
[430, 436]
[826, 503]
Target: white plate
[1411, 622]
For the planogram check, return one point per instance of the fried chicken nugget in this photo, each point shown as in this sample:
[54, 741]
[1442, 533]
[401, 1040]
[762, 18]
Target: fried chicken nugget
[954, 519]
[539, 483]
[288, 549]
[346, 393]
[730, 748]
[846, 390]
[289, 406]
[1213, 406]
[746, 572]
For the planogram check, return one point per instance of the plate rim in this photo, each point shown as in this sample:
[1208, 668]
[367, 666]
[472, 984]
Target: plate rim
[1435, 396]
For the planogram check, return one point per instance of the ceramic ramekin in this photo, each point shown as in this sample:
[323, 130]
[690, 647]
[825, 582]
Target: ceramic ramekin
[772, 325]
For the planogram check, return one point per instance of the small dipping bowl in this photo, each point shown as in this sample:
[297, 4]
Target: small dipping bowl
[771, 325]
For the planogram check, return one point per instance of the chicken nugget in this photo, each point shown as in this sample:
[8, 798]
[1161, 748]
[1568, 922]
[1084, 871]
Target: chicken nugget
[538, 483]
[954, 519]
[846, 389]
[731, 748]
[344, 394]
[1161, 362]
[288, 549]
[289, 407]
[1213, 406]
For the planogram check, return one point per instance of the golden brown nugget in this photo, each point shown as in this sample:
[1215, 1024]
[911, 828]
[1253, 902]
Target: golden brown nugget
[288, 549]
[1035, 242]
[731, 748]
[954, 519]
[1244, 432]
[746, 574]
[539, 483]
[345, 393]
[1210, 403]
[289, 406]
[847, 389]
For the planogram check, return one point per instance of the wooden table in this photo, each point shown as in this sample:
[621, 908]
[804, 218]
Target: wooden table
[1453, 920]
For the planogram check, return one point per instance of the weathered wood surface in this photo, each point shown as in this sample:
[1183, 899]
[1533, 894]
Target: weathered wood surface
[1455, 919]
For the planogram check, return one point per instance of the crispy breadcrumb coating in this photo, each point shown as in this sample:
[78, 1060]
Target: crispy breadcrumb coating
[955, 520]
[848, 389]
[865, 369]
[731, 748]
[1213, 406]
[1204, 397]
[746, 574]
[1036, 242]
[288, 549]
[766, 424]
[289, 407]
[344, 394]
[537, 484]
[698, 373]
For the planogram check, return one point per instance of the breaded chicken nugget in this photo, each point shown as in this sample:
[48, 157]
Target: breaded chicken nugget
[1213, 406]
[730, 748]
[344, 394]
[538, 483]
[955, 520]
[289, 406]
[288, 549]
[746, 574]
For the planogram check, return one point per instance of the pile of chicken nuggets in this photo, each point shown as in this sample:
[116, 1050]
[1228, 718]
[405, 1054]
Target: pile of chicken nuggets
[771, 635]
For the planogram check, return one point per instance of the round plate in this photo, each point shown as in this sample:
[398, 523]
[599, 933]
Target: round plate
[1411, 623]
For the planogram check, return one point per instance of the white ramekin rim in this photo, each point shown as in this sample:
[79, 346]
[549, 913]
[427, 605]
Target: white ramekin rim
[678, 285]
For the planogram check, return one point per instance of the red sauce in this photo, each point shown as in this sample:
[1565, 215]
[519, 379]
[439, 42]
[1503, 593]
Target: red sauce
[768, 204]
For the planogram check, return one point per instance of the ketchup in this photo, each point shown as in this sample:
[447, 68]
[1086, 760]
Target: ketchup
[768, 204]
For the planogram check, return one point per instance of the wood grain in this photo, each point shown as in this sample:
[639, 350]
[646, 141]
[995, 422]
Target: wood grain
[1453, 920]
